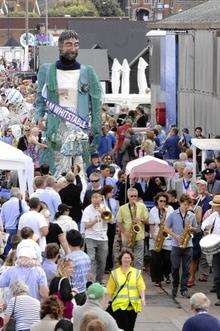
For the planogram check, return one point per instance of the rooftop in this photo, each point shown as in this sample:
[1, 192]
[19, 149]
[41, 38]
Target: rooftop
[204, 16]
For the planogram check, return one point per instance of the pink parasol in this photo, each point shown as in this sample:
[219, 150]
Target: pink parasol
[149, 166]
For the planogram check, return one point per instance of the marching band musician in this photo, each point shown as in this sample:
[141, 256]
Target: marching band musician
[132, 214]
[95, 229]
[160, 265]
[180, 223]
[212, 224]
[112, 204]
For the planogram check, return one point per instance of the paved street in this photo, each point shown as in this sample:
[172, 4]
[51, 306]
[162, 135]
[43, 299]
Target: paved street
[161, 313]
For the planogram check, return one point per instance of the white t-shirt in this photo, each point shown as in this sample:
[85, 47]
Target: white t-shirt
[66, 223]
[97, 231]
[35, 221]
[155, 220]
[213, 219]
[67, 81]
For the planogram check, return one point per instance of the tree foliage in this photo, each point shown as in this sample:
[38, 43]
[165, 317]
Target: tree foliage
[108, 7]
[74, 9]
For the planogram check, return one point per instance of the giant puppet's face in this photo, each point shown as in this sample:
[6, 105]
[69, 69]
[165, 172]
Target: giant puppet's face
[69, 49]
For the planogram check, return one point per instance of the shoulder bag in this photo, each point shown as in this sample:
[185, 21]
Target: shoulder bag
[11, 325]
[109, 308]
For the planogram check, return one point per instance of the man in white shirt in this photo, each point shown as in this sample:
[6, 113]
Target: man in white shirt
[10, 212]
[39, 185]
[95, 230]
[36, 221]
[212, 225]
[49, 196]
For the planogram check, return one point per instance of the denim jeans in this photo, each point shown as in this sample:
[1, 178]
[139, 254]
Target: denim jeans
[8, 246]
[180, 256]
[138, 251]
[97, 251]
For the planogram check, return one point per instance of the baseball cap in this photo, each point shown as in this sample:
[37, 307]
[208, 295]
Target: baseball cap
[94, 155]
[63, 207]
[208, 171]
[96, 291]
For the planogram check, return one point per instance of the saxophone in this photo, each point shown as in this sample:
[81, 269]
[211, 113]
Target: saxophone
[162, 234]
[185, 236]
[135, 229]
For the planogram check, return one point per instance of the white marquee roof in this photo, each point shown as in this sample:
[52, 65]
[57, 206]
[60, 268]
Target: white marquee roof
[12, 158]
[207, 144]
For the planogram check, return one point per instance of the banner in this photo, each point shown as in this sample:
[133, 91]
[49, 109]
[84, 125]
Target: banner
[66, 114]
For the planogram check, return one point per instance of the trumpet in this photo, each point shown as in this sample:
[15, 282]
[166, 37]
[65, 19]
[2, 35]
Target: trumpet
[106, 215]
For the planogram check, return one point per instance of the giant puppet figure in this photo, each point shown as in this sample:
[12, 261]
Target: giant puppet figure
[69, 97]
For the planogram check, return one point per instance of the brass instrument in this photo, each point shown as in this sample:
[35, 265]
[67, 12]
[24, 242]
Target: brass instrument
[135, 229]
[185, 236]
[162, 234]
[106, 215]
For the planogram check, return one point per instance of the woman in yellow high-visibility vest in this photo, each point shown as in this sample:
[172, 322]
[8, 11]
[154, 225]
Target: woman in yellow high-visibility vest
[131, 298]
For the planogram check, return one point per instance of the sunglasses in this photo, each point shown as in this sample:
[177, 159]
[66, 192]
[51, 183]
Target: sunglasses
[162, 200]
[189, 173]
[133, 196]
[95, 181]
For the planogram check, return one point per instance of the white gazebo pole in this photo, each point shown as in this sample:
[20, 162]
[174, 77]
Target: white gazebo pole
[194, 161]
[125, 84]
[116, 76]
[203, 159]
[141, 76]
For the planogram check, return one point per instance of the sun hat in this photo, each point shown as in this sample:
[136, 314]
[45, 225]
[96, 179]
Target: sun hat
[96, 291]
[27, 252]
[216, 201]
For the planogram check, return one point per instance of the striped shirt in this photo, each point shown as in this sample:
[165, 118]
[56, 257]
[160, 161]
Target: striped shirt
[81, 269]
[26, 311]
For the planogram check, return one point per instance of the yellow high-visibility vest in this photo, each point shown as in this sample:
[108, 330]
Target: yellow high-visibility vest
[129, 297]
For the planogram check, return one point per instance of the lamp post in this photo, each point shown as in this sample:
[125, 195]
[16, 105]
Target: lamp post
[46, 17]
[26, 21]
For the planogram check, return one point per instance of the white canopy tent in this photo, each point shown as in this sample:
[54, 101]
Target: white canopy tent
[12, 158]
[204, 145]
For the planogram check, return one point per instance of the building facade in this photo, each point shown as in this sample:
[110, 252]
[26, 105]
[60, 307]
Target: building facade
[153, 10]
[185, 68]
[147, 10]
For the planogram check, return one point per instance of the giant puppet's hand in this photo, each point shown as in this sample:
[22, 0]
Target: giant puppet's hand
[95, 92]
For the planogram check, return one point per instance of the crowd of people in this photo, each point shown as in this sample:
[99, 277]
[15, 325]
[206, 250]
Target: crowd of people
[91, 225]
